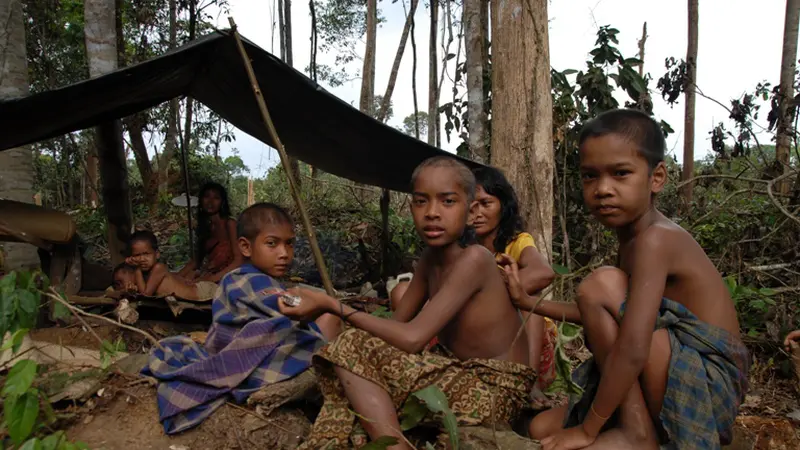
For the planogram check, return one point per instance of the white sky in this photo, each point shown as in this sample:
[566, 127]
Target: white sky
[739, 45]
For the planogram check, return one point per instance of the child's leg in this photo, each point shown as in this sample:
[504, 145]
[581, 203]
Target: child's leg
[373, 404]
[397, 294]
[330, 325]
[600, 297]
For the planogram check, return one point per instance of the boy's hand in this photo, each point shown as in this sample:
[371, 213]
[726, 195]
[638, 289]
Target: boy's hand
[511, 277]
[312, 305]
[131, 261]
[793, 336]
[569, 439]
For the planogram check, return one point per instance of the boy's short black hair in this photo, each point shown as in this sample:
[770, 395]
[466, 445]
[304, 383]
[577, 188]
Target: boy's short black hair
[143, 235]
[253, 219]
[633, 125]
[123, 267]
[466, 179]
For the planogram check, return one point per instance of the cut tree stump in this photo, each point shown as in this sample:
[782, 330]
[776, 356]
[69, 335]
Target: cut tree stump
[303, 386]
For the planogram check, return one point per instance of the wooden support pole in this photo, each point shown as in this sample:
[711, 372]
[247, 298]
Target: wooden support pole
[185, 170]
[262, 106]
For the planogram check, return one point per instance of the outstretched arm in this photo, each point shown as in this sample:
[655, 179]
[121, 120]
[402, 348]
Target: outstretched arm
[462, 282]
[157, 275]
[535, 273]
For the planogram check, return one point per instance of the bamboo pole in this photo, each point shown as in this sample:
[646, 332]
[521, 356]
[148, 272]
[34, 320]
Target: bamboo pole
[312, 237]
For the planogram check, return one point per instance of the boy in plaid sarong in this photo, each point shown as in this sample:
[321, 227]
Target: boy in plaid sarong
[250, 343]
[669, 367]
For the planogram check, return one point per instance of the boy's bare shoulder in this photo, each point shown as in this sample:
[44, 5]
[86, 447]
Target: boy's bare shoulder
[664, 236]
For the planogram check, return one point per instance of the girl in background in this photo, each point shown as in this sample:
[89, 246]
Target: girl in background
[216, 250]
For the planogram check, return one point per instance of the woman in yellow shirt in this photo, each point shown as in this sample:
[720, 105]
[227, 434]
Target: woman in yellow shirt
[500, 228]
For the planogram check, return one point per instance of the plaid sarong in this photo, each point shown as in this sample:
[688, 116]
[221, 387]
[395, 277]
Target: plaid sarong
[249, 345]
[479, 391]
[707, 381]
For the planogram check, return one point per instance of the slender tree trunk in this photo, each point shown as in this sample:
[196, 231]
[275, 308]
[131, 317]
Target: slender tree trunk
[281, 31]
[414, 76]
[688, 122]
[171, 136]
[476, 114]
[101, 50]
[522, 142]
[398, 57]
[16, 165]
[187, 127]
[788, 67]
[366, 103]
[433, 107]
[312, 70]
[641, 43]
[286, 40]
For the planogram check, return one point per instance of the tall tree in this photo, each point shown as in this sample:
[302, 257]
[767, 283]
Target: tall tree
[433, 97]
[688, 121]
[476, 113]
[368, 70]
[286, 47]
[16, 165]
[522, 114]
[101, 51]
[398, 57]
[171, 136]
[786, 93]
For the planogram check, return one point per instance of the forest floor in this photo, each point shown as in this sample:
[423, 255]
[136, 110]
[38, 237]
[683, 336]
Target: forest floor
[119, 411]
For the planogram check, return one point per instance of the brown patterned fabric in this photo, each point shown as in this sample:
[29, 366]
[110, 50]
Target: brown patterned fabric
[479, 391]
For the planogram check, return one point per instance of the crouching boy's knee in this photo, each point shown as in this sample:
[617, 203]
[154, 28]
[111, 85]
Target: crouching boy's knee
[605, 286]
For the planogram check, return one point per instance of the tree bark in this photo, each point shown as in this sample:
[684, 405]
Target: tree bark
[281, 31]
[691, 88]
[786, 91]
[368, 71]
[521, 140]
[286, 39]
[398, 57]
[171, 136]
[476, 113]
[16, 165]
[414, 76]
[101, 50]
[433, 104]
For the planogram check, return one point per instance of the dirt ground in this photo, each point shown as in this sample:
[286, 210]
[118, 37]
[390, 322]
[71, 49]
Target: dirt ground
[123, 413]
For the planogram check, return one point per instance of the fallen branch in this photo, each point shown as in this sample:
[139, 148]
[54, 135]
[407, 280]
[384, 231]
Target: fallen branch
[769, 267]
[55, 296]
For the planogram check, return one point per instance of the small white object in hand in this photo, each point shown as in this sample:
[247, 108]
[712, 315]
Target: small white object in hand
[291, 300]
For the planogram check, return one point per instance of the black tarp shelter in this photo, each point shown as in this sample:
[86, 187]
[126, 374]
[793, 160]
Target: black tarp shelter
[314, 125]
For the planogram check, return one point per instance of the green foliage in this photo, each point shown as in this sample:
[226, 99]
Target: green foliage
[431, 399]
[23, 417]
[752, 305]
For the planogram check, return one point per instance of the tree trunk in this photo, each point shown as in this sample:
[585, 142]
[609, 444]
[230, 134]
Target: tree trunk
[522, 113]
[16, 165]
[433, 106]
[788, 67]
[171, 136]
[101, 50]
[641, 43]
[688, 121]
[286, 39]
[476, 114]
[414, 76]
[398, 57]
[368, 71]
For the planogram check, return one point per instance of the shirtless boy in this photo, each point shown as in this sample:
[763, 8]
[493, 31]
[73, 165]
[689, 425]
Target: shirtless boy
[380, 362]
[124, 278]
[681, 383]
[154, 278]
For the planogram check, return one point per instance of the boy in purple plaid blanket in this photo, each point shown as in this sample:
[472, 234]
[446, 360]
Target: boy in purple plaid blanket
[681, 385]
[250, 343]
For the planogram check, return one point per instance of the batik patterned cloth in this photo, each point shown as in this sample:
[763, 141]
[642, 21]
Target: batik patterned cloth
[707, 381]
[249, 345]
[479, 391]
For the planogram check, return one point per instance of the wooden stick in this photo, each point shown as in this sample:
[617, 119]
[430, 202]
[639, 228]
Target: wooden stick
[273, 133]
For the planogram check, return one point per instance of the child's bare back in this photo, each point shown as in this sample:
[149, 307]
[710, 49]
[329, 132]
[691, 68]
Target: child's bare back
[487, 324]
[692, 279]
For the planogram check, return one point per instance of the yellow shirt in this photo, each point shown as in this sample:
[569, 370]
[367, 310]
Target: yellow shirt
[521, 242]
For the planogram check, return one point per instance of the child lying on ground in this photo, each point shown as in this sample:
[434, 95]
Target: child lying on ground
[124, 278]
[153, 277]
[662, 327]
[374, 367]
[250, 343]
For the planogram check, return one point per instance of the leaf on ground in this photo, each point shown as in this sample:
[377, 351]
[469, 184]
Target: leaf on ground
[54, 442]
[20, 377]
[413, 413]
[436, 401]
[382, 443]
[15, 341]
[559, 269]
[21, 415]
[32, 444]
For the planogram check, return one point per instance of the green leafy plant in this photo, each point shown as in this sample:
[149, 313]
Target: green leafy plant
[27, 414]
[752, 304]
